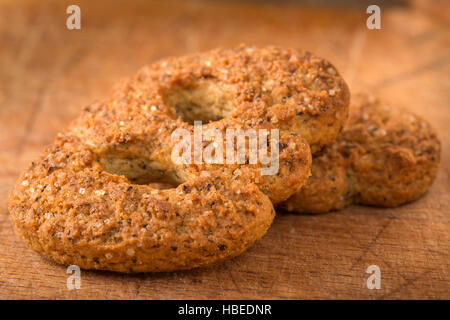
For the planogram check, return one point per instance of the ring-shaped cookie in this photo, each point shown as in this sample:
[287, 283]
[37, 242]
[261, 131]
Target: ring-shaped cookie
[87, 200]
[384, 157]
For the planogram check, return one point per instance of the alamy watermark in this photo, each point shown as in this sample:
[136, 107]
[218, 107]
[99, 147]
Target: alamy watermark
[231, 149]
[73, 281]
[374, 20]
[374, 281]
[74, 20]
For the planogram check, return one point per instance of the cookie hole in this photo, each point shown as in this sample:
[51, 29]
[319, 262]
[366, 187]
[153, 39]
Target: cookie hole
[162, 185]
[206, 100]
[141, 171]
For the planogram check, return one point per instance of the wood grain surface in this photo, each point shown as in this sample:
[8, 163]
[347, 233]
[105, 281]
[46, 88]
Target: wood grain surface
[48, 73]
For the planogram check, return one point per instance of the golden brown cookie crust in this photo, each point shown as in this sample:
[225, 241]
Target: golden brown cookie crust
[245, 87]
[287, 89]
[384, 157]
[69, 209]
[86, 201]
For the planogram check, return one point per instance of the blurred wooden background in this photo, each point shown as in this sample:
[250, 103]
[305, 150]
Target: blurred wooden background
[47, 73]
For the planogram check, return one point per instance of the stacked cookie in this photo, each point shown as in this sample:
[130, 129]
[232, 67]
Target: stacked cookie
[182, 166]
[385, 157]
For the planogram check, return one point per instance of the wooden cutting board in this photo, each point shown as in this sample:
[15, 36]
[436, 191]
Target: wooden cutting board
[47, 73]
